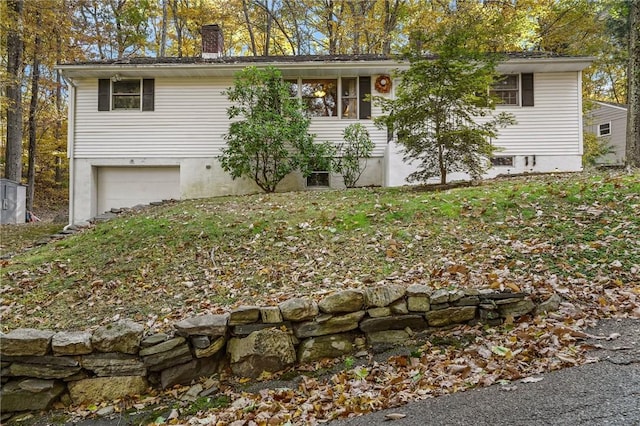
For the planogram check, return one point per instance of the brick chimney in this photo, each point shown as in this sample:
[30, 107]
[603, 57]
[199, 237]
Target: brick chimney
[212, 42]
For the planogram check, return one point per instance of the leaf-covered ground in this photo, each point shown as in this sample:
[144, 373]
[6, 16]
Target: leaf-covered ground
[574, 235]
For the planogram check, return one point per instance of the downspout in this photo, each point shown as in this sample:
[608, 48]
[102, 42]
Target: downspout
[70, 145]
[580, 123]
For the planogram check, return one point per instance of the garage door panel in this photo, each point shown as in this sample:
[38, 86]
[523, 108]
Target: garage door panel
[129, 186]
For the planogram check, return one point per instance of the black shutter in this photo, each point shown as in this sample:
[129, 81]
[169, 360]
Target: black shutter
[148, 85]
[527, 89]
[364, 92]
[104, 87]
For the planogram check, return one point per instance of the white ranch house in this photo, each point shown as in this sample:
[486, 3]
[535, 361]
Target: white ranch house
[148, 129]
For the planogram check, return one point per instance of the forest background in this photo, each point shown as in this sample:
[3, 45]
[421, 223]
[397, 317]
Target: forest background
[38, 34]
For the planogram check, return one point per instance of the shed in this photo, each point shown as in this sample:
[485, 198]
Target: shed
[14, 206]
[608, 121]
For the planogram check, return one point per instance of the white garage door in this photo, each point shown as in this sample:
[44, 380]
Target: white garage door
[129, 186]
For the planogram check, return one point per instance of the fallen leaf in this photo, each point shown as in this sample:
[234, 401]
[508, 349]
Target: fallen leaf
[531, 379]
[508, 388]
[613, 336]
[502, 351]
[394, 416]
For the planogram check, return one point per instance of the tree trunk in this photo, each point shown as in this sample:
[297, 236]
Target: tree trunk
[390, 23]
[633, 106]
[33, 105]
[58, 102]
[163, 30]
[267, 31]
[178, 26]
[247, 20]
[13, 154]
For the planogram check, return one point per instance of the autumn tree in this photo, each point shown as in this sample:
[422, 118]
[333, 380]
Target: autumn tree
[14, 46]
[441, 111]
[268, 137]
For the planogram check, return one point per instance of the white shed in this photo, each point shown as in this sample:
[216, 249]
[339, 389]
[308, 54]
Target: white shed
[608, 121]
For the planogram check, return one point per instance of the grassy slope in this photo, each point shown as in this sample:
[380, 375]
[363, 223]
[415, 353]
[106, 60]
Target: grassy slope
[540, 234]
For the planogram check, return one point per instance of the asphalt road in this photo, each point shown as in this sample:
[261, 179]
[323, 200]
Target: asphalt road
[602, 393]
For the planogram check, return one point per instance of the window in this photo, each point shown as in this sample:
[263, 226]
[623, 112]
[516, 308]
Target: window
[126, 94]
[349, 98]
[318, 179]
[604, 129]
[131, 94]
[346, 97]
[321, 97]
[506, 88]
[502, 161]
[514, 89]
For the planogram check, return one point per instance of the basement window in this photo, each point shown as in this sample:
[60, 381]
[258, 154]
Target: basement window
[502, 161]
[318, 179]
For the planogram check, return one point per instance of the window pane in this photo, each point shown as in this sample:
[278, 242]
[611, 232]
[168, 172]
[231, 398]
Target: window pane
[508, 82]
[126, 102]
[502, 161]
[318, 179]
[126, 94]
[506, 88]
[349, 109]
[349, 98]
[126, 86]
[349, 87]
[508, 97]
[320, 97]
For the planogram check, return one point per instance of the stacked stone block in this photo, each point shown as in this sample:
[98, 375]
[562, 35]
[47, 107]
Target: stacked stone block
[40, 367]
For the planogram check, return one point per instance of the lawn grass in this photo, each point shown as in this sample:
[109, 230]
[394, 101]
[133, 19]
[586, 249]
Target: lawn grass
[208, 255]
[15, 238]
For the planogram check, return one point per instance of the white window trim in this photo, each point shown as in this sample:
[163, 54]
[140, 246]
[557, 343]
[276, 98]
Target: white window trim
[518, 103]
[600, 134]
[339, 96]
[112, 94]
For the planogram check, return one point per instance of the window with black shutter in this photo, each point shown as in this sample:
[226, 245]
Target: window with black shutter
[129, 94]
[514, 89]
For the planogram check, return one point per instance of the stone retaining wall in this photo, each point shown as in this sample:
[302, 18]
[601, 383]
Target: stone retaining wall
[40, 367]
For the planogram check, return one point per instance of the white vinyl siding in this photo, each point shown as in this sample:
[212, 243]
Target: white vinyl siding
[552, 126]
[189, 120]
